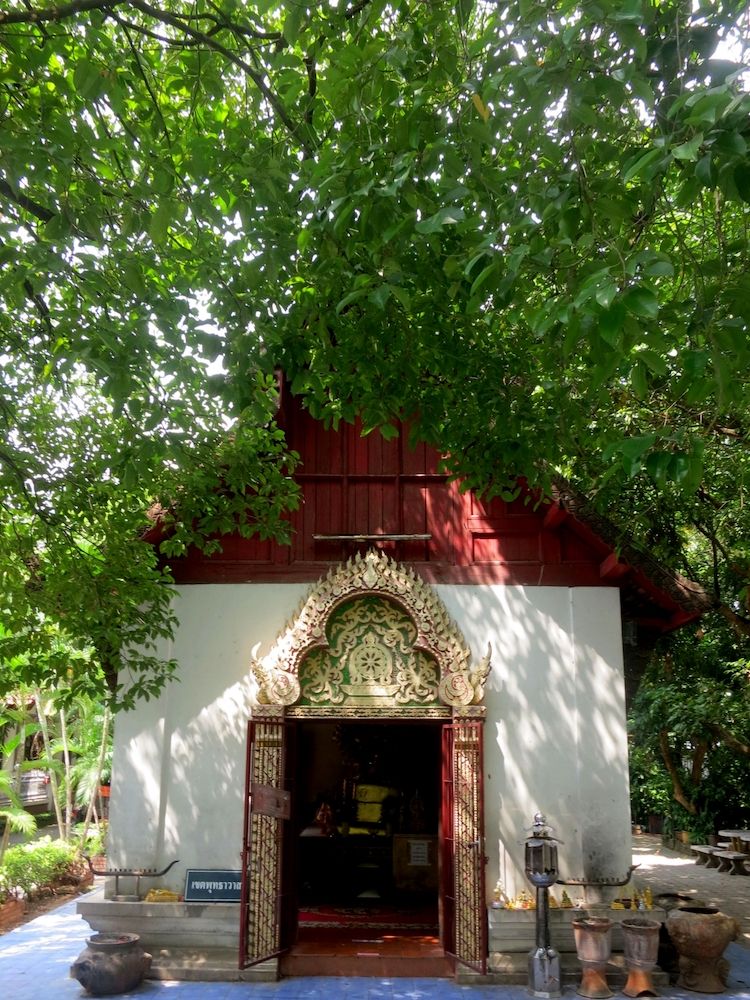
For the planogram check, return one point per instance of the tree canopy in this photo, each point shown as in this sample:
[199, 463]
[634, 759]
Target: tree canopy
[522, 227]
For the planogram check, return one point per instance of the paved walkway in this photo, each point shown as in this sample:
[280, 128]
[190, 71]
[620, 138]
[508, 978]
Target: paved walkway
[35, 958]
[668, 871]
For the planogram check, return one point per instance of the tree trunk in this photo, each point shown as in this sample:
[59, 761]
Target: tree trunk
[68, 777]
[91, 810]
[42, 718]
[678, 791]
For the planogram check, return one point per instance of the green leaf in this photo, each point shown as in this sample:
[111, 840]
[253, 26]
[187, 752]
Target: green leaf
[646, 165]
[87, 78]
[380, 295]
[482, 277]
[134, 279]
[639, 380]
[655, 362]
[629, 10]
[611, 323]
[352, 297]
[160, 220]
[295, 13]
[447, 216]
[605, 294]
[688, 150]
[642, 302]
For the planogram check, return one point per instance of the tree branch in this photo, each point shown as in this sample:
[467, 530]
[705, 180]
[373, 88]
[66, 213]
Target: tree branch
[716, 547]
[166, 18]
[356, 8]
[739, 624]
[678, 791]
[312, 86]
[699, 756]
[145, 79]
[23, 201]
[41, 306]
[55, 13]
[731, 741]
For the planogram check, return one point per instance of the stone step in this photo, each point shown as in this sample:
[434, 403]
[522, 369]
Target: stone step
[383, 966]
[208, 965]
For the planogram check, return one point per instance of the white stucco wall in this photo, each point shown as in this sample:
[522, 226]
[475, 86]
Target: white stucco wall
[555, 734]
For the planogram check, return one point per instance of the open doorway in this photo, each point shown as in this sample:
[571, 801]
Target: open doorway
[365, 829]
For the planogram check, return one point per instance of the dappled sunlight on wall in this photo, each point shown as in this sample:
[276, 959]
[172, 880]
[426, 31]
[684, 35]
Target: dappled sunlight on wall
[137, 783]
[555, 734]
[207, 780]
[555, 738]
[180, 759]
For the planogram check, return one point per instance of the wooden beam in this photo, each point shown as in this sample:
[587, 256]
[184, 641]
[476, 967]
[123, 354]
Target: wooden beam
[372, 538]
[612, 569]
[555, 516]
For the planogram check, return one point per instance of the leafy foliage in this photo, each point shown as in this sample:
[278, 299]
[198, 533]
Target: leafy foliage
[523, 227]
[692, 719]
[30, 868]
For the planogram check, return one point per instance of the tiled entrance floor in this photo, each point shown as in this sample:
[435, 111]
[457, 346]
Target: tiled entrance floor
[365, 952]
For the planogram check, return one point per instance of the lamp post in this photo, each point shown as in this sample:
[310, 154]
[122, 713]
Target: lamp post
[541, 871]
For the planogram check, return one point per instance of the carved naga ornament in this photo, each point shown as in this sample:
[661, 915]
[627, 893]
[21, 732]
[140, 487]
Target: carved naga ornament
[375, 633]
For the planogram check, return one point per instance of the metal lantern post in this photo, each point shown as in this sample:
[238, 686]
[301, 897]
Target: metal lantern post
[541, 871]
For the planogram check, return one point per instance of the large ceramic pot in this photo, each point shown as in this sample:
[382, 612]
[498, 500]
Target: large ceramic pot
[640, 938]
[700, 934]
[593, 937]
[111, 963]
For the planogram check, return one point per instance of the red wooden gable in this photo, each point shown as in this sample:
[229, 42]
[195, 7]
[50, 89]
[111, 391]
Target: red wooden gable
[367, 486]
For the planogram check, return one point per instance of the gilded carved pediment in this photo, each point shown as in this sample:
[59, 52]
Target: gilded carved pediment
[371, 635]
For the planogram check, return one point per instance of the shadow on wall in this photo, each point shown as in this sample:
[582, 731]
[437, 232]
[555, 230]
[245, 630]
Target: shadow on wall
[178, 785]
[179, 760]
[555, 740]
[556, 736]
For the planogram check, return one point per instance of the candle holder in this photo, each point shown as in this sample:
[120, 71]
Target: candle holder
[541, 871]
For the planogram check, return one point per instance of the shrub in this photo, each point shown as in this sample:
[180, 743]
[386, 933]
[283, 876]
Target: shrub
[96, 840]
[30, 868]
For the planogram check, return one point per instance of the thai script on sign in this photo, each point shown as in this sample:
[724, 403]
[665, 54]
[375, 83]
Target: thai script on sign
[217, 885]
[206, 885]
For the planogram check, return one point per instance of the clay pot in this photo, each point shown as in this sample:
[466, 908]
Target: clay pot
[700, 934]
[111, 963]
[593, 937]
[641, 948]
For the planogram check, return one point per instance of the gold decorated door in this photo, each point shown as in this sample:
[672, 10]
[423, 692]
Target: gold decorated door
[372, 641]
[462, 844]
[265, 910]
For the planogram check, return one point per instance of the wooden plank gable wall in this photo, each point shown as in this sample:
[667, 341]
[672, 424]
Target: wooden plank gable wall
[355, 485]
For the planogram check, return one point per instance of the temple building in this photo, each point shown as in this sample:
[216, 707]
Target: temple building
[367, 720]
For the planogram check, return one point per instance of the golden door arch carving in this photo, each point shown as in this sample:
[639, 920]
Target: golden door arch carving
[410, 659]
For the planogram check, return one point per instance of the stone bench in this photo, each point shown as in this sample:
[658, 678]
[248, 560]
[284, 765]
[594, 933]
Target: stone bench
[732, 862]
[705, 855]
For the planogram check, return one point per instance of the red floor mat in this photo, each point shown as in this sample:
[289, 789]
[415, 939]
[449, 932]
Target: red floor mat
[424, 918]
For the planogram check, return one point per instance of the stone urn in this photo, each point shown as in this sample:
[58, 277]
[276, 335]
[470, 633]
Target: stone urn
[640, 937]
[593, 937]
[111, 963]
[700, 934]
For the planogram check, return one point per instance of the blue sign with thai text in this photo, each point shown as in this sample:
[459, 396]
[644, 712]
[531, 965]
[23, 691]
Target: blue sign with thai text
[205, 885]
